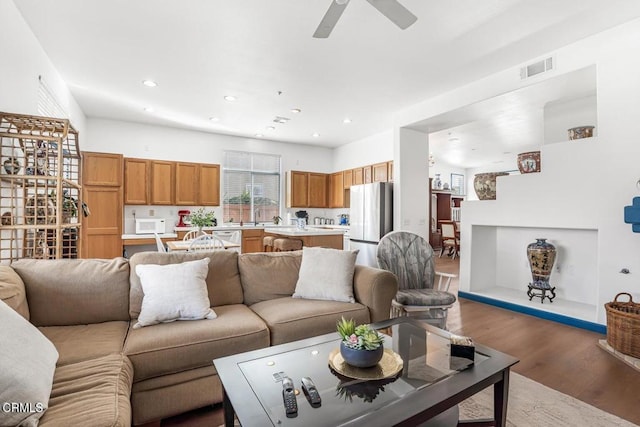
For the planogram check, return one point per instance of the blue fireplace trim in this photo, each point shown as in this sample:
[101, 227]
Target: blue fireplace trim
[560, 318]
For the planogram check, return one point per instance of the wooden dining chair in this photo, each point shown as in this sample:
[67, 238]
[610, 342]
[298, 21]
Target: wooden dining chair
[192, 234]
[450, 239]
[206, 242]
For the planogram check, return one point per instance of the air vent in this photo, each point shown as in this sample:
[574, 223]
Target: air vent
[280, 119]
[537, 68]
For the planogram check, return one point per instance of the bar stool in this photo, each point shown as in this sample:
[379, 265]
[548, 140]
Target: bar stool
[283, 244]
[267, 243]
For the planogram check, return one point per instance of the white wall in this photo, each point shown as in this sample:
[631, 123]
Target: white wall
[367, 151]
[23, 60]
[166, 143]
[583, 185]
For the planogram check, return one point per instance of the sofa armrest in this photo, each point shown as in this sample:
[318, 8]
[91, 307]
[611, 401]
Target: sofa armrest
[375, 288]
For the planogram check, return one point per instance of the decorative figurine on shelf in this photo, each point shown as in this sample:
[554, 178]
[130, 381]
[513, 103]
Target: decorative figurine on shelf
[541, 255]
[437, 182]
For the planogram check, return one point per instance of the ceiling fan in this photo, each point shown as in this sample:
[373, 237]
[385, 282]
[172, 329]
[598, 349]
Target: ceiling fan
[397, 13]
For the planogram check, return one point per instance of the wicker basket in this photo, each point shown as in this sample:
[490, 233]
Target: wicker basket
[623, 325]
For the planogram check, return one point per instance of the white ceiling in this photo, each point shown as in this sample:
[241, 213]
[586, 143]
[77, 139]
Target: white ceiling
[201, 50]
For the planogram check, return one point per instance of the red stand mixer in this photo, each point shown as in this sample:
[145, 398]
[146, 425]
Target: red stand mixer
[182, 214]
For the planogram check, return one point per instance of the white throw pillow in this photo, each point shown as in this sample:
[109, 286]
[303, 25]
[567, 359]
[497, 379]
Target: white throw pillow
[326, 274]
[27, 363]
[174, 292]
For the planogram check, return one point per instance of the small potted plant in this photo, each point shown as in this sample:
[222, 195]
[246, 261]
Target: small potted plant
[203, 218]
[361, 345]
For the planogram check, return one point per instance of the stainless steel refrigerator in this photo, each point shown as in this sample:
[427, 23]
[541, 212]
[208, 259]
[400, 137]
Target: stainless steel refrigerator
[371, 217]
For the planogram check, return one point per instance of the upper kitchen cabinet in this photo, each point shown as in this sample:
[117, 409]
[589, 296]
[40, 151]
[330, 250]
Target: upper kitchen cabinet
[336, 190]
[358, 176]
[318, 190]
[348, 178]
[367, 172]
[297, 189]
[209, 185]
[187, 185]
[390, 171]
[136, 178]
[103, 169]
[380, 172]
[163, 181]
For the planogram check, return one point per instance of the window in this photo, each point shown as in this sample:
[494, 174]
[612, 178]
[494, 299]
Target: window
[251, 187]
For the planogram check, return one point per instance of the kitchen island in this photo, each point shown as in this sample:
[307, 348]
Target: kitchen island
[327, 238]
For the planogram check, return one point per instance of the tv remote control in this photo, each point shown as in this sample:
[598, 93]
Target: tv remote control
[289, 398]
[311, 392]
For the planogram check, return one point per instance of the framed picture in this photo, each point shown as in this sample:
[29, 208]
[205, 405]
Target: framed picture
[457, 183]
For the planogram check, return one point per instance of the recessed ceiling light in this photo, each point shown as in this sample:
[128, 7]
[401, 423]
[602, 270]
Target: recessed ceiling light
[347, 120]
[214, 119]
[315, 134]
[258, 135]
[271, 128]
[296, 110]
[149, 83]
[149, 109]
[229, 98]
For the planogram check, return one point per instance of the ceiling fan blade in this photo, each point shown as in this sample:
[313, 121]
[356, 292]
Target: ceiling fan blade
[330, 19]
[397, 13]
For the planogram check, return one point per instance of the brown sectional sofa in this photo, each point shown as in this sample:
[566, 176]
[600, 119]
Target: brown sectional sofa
[109, 374]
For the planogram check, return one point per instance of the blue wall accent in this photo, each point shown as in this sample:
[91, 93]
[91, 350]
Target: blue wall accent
[560, 318]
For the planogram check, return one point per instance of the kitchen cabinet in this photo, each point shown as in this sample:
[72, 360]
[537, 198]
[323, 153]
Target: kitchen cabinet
[208, 185]
[336, 190]
[102, 191]
[358, 176]
[187, 185]
[297, 189]
[390, 171]
[380, 172]
[348, 178]
[367, 174]
[252, 241]
[318, 190]
[136, 178]
[162, 185]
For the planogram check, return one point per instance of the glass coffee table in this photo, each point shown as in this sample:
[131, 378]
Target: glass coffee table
[427, 383]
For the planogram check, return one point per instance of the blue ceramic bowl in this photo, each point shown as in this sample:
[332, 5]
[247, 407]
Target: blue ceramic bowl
[361, 358]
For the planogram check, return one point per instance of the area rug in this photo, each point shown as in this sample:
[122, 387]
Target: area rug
[532, 404]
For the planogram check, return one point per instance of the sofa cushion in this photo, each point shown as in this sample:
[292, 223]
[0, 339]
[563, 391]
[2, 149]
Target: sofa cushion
[82, 342]
[168, 348]
[174, 292]
[291, 319]
[12, 291]
[27, 362]
[223, 279]
[75, 291]
[326, 274]
[268, 275]
[93, 393]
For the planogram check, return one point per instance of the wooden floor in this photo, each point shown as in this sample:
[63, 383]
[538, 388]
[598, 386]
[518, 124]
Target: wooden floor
[562, 357]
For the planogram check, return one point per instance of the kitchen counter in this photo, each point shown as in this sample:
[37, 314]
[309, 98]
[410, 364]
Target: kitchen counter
[327, 238]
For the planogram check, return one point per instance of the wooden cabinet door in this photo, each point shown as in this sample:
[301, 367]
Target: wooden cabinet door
[102, 230]
[367, 173]
[317, 190]
[252, 241]
[358, 176]
[136, 179]
[187, 184]
[297, 189]
[390, 171]
[347, 178]
[162, 184]
[209, 185]
[336, 190]
[379, 172]
[101, 169]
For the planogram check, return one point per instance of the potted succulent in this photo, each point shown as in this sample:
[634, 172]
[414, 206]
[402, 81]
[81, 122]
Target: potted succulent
[361, 345]
[203, 218]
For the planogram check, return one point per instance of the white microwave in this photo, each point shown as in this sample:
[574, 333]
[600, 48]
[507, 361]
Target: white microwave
[149, 225]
